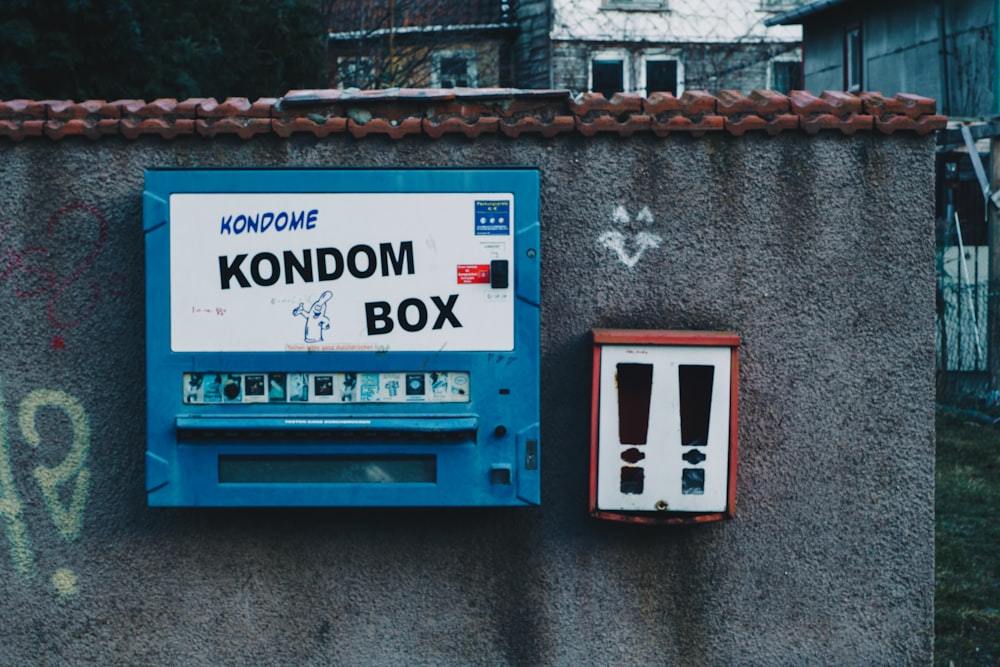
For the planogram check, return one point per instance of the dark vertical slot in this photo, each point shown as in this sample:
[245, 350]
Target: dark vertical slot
[632, 479]
[635, 384]
[696, 403]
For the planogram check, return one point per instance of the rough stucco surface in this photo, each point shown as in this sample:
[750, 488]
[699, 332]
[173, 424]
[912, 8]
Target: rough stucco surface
[817, 250]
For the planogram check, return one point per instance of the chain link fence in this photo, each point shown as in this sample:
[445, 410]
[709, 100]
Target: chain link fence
[961, 331]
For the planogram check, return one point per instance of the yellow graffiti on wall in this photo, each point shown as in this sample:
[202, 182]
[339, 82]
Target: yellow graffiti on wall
[11, 508]
[68, 520]
[67, 517]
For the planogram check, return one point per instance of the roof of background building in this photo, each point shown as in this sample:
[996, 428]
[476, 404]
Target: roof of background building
[471, 112]
[795, 16]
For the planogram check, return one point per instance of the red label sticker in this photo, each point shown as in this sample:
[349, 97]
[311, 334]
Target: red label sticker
[472, 274]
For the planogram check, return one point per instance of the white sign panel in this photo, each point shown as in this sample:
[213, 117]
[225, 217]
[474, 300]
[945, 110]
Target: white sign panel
[687, 476]
[340, 272]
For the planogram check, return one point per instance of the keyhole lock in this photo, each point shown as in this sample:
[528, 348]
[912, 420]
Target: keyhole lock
[661, 506]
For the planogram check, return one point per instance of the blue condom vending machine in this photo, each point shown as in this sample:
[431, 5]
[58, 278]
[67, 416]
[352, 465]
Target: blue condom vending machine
[342, 337]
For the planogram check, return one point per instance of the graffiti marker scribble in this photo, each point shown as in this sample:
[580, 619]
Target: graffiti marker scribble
[43, 271]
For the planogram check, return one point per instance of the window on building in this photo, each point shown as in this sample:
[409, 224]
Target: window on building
[454, 69]
[853, 63]
[355, 72]
[661, 76]
[786, 76]
[607, 74]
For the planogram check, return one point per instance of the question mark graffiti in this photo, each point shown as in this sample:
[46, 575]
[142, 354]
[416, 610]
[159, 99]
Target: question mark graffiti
[67, 518]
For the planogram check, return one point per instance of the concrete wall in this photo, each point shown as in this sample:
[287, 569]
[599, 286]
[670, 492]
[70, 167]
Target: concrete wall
[818, 250]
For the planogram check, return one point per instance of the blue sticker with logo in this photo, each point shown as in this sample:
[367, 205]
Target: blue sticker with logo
[492, 218]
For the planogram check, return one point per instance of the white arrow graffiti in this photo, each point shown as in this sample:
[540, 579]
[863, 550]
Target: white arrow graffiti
[641, 241]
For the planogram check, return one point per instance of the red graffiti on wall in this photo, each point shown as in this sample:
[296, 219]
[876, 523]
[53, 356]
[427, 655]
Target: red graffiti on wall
[54, 269]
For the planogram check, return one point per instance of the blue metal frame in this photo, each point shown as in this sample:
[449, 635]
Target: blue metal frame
[478, 446]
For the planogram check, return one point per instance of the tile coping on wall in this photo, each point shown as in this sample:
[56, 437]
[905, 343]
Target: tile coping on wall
[471, 112]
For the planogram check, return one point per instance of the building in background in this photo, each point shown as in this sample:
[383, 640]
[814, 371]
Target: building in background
[645, 46]
[947, 50]
[590, 45]
[436, 43]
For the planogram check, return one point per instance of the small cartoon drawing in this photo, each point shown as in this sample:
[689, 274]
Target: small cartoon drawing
[316, 320]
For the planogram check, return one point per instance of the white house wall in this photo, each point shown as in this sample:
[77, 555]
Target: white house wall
[720, 21]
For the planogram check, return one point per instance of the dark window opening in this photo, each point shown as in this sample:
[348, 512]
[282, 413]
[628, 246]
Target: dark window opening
[853, 67]
[608, 77]
[454, 72]
[661, 76]
[786, 76]
[354, 72]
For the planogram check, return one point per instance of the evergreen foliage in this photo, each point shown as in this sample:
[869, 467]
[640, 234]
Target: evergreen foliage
[133, 49]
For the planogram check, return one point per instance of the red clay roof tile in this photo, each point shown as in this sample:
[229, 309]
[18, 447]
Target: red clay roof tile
[471, 111]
